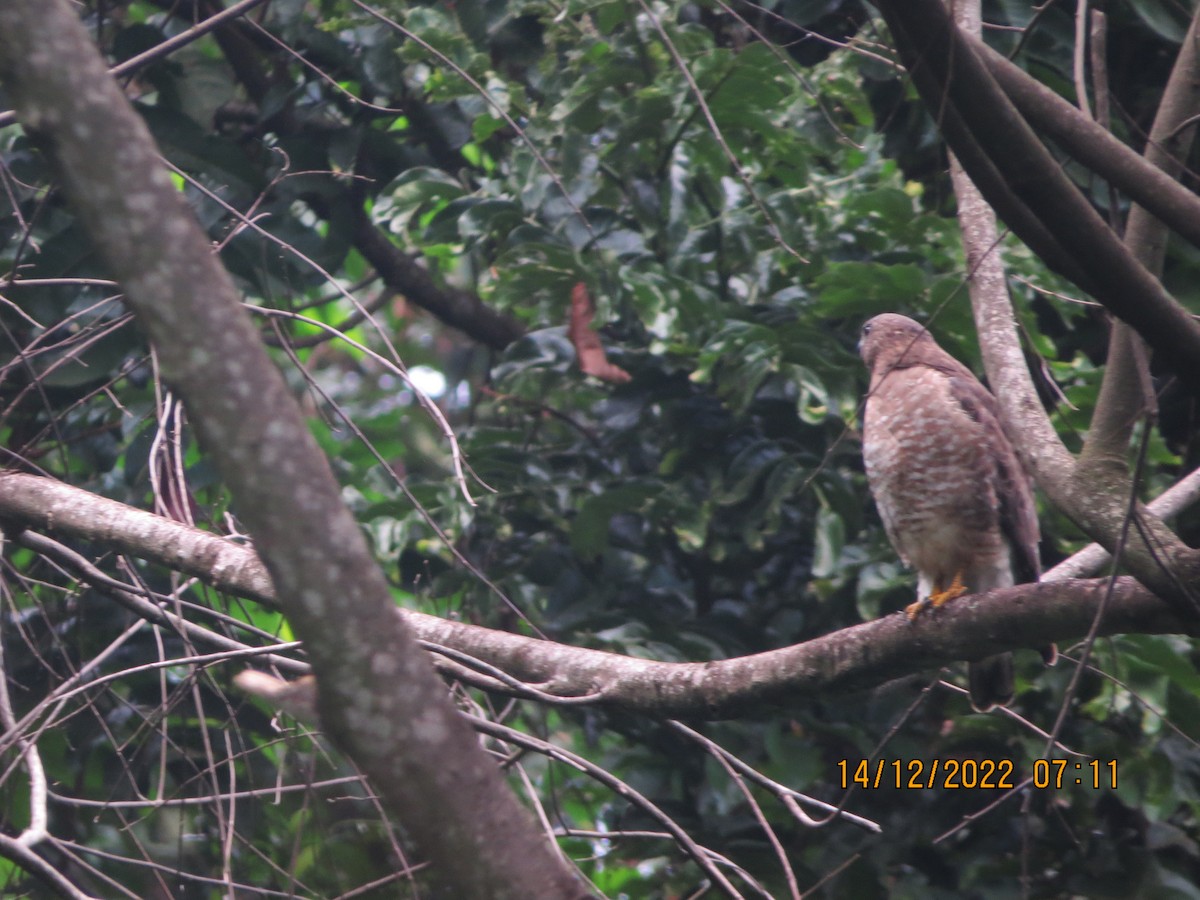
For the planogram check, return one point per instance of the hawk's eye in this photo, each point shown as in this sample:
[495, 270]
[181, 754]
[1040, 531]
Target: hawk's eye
[866, 329]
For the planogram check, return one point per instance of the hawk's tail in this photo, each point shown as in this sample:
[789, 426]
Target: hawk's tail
[990, 682]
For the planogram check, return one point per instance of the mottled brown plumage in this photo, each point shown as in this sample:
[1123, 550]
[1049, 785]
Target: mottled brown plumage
[955, 502]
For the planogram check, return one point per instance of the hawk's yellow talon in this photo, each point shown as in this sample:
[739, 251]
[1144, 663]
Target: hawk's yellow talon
[937, 598]
[957, 589]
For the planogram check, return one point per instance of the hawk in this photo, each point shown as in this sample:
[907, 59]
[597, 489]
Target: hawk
[954, 500]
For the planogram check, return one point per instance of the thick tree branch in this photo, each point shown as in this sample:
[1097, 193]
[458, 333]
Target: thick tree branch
[378, 692]
[854, 658]
[400, 272]
[1092, 558]
[1094, 147]
[1126, 394]
[1126, 398]
[950, 78]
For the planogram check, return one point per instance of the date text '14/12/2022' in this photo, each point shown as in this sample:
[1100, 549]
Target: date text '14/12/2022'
[975, 774]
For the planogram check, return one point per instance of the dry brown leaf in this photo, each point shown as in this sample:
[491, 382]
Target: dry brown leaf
[592, 359]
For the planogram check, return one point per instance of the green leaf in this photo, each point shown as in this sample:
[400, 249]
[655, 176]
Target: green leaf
[830, 539]
[589, 529]
[855, 288]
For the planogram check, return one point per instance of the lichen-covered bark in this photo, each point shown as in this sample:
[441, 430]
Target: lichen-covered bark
[379, 694]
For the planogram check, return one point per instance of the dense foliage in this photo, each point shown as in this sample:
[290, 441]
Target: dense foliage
[737, 187]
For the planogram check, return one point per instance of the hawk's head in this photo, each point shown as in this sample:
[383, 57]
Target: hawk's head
[894, 341]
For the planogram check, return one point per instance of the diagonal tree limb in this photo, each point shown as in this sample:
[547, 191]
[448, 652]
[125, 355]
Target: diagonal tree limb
[1095, 147]
[1092, 558]
[384, 704]
[458, 308]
